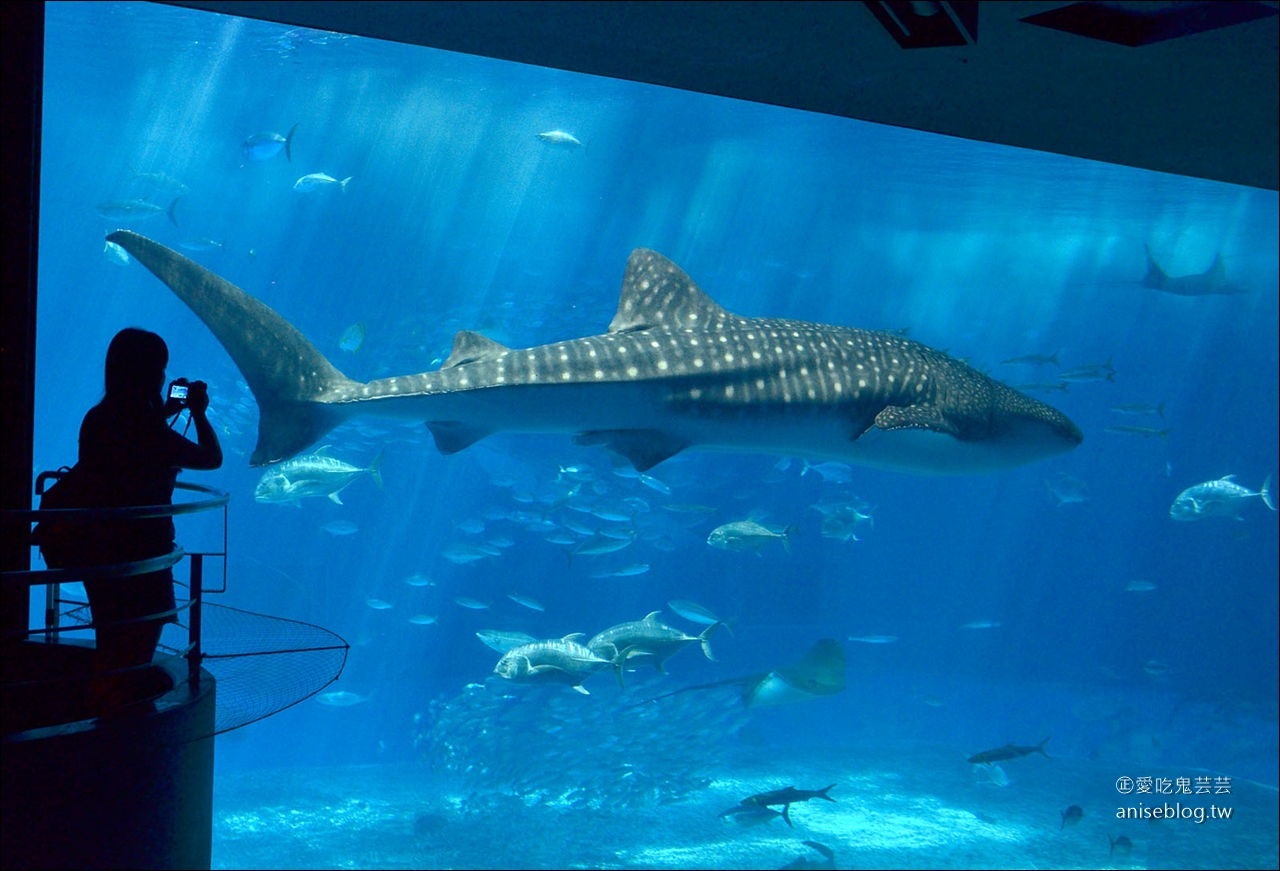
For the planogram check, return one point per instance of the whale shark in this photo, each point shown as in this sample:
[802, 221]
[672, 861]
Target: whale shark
[674, 370]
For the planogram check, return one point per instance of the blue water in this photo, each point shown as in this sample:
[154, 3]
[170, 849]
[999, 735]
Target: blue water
[458, 217]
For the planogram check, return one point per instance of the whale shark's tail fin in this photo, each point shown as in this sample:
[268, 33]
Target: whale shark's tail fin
[295, 385]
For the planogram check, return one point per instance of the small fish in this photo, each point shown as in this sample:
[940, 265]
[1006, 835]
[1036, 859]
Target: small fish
[1156, 667]
[527, 601]
[423, 619]
[680, 508]
[157, 182]
[1071, 815]
[200, 244]
[624, 572]
[1138, 409]
[352, 338]
[1121, 844]
[1008, 751]
[317, 180]
[1144, 431]
[1043, 386]
[1032, 360]
[602, 544]
[874, 639]
[115, 255]
[378, 604]
[748, 535]
[126, 211]
[264, 146]
[654, 484]
[559, 137]
[340, 699]
[340, 527]
[473, 604]
[982, 624]
[461, 554]
[1220, 498]
[503, 641]
[1089, 372]
[1139, 587]
[695, 613]
[419, 580]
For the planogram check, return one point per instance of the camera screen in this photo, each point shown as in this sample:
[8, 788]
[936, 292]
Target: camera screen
[177, 391]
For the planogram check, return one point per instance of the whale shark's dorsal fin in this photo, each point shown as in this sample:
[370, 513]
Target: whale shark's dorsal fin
[657, 293]
[468, 347]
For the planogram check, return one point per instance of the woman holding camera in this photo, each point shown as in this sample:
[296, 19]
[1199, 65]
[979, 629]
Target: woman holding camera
[131, 457]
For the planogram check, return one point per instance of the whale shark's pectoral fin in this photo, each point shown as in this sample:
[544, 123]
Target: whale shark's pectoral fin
[453, 435]
[644, 448]
[925, 417]
[469, 347]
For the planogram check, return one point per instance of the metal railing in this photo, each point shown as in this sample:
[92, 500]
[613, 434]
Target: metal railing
[52, 579]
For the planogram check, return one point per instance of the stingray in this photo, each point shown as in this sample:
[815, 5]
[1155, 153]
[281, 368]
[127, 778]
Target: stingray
[820, 672]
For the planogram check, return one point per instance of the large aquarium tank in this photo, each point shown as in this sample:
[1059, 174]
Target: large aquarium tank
[1066, 661]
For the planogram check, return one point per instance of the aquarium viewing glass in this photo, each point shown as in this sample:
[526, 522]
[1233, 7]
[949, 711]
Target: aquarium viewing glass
[382, 197]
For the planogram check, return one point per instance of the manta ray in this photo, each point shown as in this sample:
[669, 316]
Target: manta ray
[674, 370]
[820, 672]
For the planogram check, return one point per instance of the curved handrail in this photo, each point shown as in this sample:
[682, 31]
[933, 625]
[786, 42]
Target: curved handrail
[135, 512]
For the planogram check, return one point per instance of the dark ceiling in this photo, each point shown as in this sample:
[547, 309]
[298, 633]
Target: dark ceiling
[1203, 104]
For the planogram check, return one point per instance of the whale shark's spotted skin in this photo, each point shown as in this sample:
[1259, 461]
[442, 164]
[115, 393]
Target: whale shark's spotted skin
[674, 370]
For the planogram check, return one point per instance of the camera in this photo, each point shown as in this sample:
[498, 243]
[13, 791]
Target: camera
[178, 392]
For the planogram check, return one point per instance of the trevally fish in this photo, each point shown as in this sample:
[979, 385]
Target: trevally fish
[748, 535]
[423, 619]
[264, 146]
[115, 255]
[750, 815]
[559, 660]
[1220, 498]
[378, 604]
[810, 863]
[648, 637]
[874, 639]
[1211, 282]
[1008, 751]
[503, 641]
[674, 371]
[1071, 815]
[317, 180]
[126, 211]
[316, 474]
